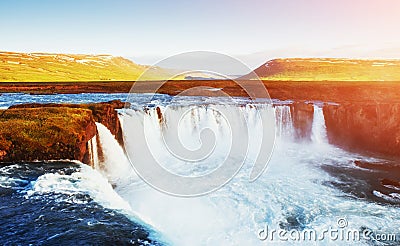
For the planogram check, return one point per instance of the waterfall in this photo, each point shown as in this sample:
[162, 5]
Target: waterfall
[116, 165]
[283, 121]
[196, 140]
[290, 191]
[285, 129]
[204, 132]
[119, 172]
[93, 152]
[318, 132]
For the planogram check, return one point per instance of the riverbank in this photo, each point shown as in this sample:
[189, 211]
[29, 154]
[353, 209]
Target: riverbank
[360, 116]
[39, 132]
[326, 91]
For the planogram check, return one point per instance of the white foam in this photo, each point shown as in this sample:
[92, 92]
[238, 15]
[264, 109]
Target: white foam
[292, 187]
[318, 131]
[283, 122]
[116, 166]
[86, 180]
[10, 183]
[392, 197]
[93, 153]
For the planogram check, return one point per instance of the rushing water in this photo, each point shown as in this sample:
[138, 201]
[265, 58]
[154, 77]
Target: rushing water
[8, 99]
[308, 184]
[67, 203]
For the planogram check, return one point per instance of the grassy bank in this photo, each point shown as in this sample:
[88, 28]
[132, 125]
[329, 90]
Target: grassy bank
[335, 91]
[45, 133]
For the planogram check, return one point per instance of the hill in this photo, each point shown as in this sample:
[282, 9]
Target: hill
[324, 69]
[45, 67]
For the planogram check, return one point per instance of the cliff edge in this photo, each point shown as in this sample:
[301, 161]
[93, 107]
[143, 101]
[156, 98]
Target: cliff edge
[37, 132]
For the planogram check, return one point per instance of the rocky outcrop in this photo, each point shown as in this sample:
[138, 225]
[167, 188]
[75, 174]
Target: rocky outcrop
[104, 113]
[302, 117]
[31, 132]
[365, 127]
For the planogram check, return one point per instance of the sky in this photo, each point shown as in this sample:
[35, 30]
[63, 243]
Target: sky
[251, 30]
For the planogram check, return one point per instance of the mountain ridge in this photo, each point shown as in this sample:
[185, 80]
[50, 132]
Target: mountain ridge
[57, 67]
[328, 69]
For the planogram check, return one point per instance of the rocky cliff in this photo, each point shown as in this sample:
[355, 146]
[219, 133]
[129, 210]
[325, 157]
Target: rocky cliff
[104, 113]
[365, 127]
[302, 116]
[32, 132]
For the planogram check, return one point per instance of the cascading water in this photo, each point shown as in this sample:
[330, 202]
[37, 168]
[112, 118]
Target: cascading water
[169, 132]
[318, 132]
[284, 122]
[291, 195]
[116, 165]
[93, 152]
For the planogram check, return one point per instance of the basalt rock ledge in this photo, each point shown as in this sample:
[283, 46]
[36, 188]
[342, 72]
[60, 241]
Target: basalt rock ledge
[40, 132]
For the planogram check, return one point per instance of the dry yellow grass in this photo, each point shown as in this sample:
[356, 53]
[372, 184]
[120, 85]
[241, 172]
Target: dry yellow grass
[43, 133]
[44, 67]
[328, 69]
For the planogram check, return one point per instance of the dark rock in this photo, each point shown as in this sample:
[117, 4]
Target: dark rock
[31, 132]
[365, 127]
[302, 116]
[389, 182]
[104, 113]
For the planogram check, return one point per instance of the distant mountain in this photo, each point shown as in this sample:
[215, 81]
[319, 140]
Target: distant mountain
[45, 67]
[326, 69]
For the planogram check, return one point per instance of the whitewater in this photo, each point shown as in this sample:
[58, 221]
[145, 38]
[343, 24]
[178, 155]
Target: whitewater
[307, 184]
[296, 192]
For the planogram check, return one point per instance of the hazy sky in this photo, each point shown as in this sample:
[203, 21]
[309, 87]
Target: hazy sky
[253, 30]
